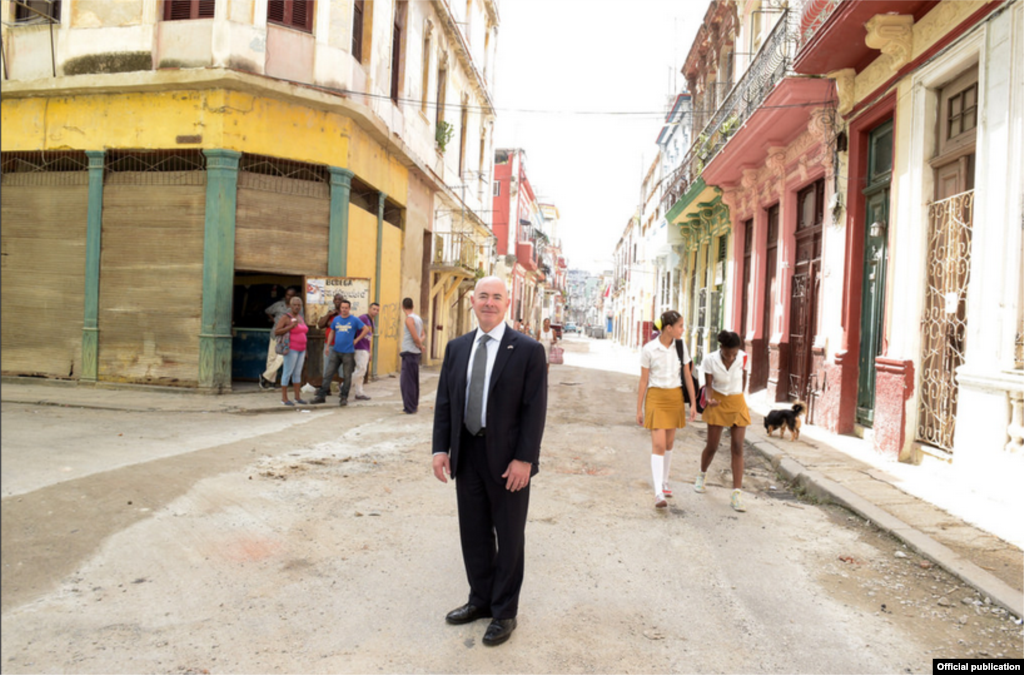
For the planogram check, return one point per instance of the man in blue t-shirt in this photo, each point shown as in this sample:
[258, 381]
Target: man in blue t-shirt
[347, 331]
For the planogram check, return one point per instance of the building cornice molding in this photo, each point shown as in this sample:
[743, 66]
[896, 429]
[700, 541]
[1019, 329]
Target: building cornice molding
[212, 79]
[455, 36]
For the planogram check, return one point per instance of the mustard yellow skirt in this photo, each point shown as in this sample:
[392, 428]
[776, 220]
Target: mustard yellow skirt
[730, 412]
[664, 409]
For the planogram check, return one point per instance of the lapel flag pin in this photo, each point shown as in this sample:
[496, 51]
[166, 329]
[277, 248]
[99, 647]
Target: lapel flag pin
[511, 346]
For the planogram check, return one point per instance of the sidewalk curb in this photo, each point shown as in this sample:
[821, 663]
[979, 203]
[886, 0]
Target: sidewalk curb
[827, 490]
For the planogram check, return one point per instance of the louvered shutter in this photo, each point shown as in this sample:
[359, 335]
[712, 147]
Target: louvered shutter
[180, 10]
[302, 14]
[275, 11]
[293, 13]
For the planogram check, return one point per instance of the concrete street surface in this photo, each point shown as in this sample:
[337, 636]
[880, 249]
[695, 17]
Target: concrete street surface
[169, 532]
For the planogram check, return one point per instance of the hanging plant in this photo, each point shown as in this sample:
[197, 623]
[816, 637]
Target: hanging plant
[443, 134]
[729, 125]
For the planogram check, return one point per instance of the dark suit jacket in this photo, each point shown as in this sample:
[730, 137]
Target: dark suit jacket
[517, 401]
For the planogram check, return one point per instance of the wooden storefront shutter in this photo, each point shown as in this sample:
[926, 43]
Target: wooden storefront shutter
[281, 225]
[151, 277]
[42, 274]
[180, 10]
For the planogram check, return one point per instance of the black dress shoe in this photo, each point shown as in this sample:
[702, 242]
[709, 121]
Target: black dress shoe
[466, 614]
[498, 631]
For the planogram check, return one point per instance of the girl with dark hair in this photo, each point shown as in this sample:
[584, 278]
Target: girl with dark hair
[659, 400]
[725, 375]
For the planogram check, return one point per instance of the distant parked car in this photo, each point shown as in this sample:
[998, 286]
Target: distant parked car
[570, 328]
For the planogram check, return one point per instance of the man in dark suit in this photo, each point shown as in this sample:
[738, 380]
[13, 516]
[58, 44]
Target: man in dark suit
[488, 423]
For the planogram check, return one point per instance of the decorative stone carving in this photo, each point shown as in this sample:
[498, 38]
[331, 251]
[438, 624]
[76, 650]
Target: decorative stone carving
[893, 34]
[820, 125]
[731, 195]
[845, 88]
[776, 162]
[749, 179]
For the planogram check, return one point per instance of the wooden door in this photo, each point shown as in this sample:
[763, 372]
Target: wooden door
[803, 311]
[770, 282]
[748, 237]
[951, 220]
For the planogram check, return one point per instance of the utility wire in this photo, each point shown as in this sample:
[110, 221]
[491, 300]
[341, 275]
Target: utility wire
[535, 111]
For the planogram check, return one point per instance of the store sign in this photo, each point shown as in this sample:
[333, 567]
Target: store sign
[320, 295]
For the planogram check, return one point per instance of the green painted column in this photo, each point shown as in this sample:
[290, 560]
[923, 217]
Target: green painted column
[376, 280]
[93, 239]
[337, 239]
[218, 269]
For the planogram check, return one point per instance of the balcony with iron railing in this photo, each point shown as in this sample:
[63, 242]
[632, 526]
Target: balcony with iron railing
[770, 65]
[769, 107]
[456, 252]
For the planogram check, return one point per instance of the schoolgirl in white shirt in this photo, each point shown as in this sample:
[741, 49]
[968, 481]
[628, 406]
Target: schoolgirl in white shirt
[725, 376]
[659, 401]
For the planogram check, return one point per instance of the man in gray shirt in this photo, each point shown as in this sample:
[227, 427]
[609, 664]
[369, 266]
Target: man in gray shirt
[412, 346]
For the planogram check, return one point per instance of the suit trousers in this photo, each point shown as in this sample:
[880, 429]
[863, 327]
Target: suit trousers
[492, 526]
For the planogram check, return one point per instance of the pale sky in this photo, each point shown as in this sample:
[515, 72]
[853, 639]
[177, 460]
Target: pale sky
[573, 56]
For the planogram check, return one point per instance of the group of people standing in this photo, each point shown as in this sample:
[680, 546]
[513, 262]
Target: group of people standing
[347, 350]
[665, 374]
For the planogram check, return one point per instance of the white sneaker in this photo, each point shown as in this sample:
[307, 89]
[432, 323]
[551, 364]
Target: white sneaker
[659, 501]
[737, 503]
[698, 485]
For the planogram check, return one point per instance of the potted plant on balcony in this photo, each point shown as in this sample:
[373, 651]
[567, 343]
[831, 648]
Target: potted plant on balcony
[443, 134]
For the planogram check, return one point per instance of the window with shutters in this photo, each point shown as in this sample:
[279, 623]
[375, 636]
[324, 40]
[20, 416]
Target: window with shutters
[296, 14]
[37, 11]
[398, 50]
[181, 10]
[358, 9]
[463, 123]
[427, 32]
[442, 92]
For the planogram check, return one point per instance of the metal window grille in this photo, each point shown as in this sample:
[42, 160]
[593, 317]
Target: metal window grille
[44, 167]
[944, 325]
[155, 167]
[261, 172]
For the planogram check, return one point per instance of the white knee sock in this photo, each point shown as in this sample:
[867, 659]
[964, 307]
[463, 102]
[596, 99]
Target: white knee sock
[658, 472]
[668, 464]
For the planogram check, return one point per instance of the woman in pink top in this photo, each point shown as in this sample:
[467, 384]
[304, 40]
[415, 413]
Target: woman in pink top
[294, 325]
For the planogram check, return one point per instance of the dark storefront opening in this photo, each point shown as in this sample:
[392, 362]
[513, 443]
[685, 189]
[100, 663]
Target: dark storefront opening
[251, 327]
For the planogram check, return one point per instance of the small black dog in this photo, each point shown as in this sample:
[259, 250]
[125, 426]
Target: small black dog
[786, 419]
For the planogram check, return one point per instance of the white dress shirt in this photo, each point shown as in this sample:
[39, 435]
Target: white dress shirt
[496, 334]
[663, 364]
[727, 381]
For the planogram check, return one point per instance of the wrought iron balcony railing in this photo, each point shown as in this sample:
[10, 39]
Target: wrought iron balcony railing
[772, 63]
[456, 249]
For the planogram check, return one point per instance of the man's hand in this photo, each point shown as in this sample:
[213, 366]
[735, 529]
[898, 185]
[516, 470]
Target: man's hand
[517, 473]
[442, 467]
